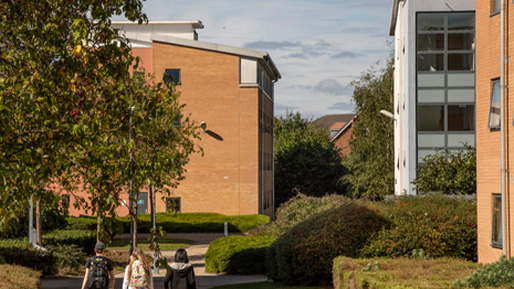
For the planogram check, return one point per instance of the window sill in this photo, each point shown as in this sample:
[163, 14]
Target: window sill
[494, 14]
[497, 246]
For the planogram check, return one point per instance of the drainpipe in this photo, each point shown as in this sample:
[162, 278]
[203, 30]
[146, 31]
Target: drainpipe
[502, 129]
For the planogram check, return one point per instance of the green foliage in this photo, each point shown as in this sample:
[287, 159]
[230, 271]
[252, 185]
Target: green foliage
[197, 222]
[298, 209]
[370, 162]
[83, 239]
[81, 223]
[441, 226]
[68, 256]
[18, 252]
[448, 172]
[496, 274]
[306, 160]
[109, 228]
[18, 277]
[303, 255]
[238, 255]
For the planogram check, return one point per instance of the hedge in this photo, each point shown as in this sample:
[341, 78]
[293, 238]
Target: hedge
[238, 255]
[197, 222]
[18, 277]
[304, 254]
[84, 239]
[19, 252]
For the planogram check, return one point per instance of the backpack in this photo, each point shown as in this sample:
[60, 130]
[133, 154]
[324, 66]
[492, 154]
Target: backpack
[139, 279]
[98, 274]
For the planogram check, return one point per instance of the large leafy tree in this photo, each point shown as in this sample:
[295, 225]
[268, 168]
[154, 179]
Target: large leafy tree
[66, 100]
[370, 162]
[306, 160]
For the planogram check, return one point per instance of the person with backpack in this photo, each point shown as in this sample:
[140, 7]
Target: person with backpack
[138, 274]
[98, 270]
[182, 274]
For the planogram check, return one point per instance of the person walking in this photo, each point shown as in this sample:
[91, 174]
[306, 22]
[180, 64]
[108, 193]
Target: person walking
[182, 274]
[98, 270]
[138, 273]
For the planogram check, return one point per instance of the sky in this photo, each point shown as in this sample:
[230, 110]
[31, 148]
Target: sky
[319, 46]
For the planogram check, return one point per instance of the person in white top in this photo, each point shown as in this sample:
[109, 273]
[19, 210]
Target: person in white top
[138, 274]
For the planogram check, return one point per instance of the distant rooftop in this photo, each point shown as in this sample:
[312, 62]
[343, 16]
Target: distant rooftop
[330, 121]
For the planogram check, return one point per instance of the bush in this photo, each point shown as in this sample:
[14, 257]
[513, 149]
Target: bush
[18, 252]
[68, 257]
[110, 226]
[83, 239]
[17, 277]
[495, 275]
[303, 255]
[196, 222]
[299, 209]
[238, 255]
[441, 226]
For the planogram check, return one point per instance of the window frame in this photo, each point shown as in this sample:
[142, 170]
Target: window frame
[496, 243]
[495, 83]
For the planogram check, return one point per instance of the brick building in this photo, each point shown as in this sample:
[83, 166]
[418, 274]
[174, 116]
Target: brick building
[229, 89]
[494, 120]
[339, 127]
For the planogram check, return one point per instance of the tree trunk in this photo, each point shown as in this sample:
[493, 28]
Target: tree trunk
[98, 221]
[39, 224]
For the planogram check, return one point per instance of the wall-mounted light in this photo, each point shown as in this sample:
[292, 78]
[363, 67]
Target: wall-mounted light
[203, 125]
[387, 113]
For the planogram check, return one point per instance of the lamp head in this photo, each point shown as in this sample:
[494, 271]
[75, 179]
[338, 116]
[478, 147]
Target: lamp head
[203, 125]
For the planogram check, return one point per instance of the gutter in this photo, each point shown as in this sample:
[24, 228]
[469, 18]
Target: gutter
[394, 17]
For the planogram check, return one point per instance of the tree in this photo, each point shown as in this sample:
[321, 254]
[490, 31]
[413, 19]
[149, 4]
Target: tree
[66, 94]
[448, 172]
[370, 162]
[306, 160]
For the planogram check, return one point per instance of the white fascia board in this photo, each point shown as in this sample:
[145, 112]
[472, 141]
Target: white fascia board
[194, 23]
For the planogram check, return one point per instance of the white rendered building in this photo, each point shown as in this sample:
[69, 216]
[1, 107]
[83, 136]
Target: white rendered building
[434, 82]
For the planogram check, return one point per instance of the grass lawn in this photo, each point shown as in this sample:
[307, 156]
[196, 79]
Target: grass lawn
[143, 243]
[263, 285]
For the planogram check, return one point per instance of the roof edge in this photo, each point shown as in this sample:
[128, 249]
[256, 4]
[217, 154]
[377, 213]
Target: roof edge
[195, 23]
[394, 17]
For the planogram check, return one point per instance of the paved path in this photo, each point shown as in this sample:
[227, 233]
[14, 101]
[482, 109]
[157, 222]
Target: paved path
[196, 253]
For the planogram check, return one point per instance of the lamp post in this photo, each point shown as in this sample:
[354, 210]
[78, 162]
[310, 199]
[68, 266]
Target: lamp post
[131, 194]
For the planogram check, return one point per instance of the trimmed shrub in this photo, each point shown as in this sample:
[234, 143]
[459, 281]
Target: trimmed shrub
[68, 257]
[496, 274]
[18, 252]
[299, 209]
[110, 226]
[303, 255]
[238, 255]
[441, 226]
[196, 222]
[83, 239]
[81, 223]
[18, 277]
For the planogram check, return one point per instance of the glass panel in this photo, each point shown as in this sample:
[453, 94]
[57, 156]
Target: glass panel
[430, 140]
[430, 118]
[431, 80]
[461, 21]
[496, 6]
[430, 21]
[496, 237]
[461, 41]
[461, 95]
[494, 112]
[458, 140]
[461, 117]
[425, 152]
[461, 79]
[430, 42]
[430, 95]
[430, 62]
[461, 61]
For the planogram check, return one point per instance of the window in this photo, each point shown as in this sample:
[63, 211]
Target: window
[496, 238]
[494, 112]
[495, 6]
[172, 76]
[173, 205]
[65, 204]
[430, 118]
[461, 117]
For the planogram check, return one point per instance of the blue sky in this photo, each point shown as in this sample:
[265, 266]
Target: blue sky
[319, 46]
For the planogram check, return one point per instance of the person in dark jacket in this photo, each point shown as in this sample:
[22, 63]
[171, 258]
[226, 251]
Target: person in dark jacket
[182, 274]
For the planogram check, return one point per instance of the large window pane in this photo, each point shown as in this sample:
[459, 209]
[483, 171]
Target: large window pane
[430, 21]
[461, 117]
[430, 62]
[461, 21]
[496, 238]
[495, 6]
[494, 112]
[461, 41]
[461, 61]
[430, 118]
[430, 42]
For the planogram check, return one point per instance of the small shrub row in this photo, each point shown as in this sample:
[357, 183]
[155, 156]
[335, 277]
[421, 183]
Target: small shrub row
[496, 274]
[19, 252]
[405, 273]
[441, 226]
[110, 226]
[18, 277]
[238, 255]
[196, 222]
[303, 255]
[84, 239]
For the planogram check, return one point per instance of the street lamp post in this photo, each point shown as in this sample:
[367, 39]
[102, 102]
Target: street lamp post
[131, 194]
